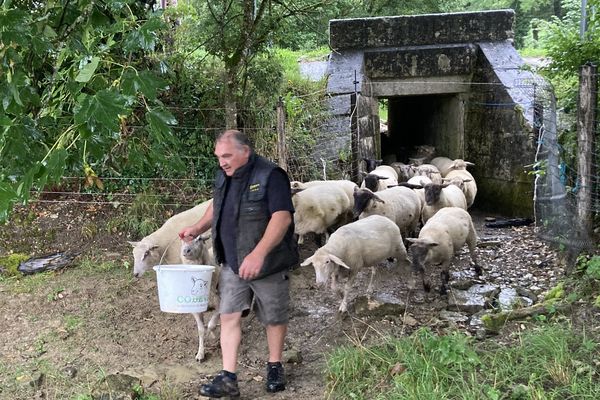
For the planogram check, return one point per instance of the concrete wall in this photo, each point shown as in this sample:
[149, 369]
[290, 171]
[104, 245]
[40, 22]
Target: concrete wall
[432, 69]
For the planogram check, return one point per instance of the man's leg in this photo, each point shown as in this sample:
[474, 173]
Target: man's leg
[231, 336]
[275, 374]
[275, 340]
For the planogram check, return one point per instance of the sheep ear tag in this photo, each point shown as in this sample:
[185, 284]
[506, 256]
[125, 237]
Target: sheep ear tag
[338, 261]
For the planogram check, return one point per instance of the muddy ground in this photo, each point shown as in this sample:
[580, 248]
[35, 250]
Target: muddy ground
[63, 331]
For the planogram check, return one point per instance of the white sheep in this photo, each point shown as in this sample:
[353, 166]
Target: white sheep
[465, 181]
[360, 244]
[445, 165]
[440, 196]
[420, 181]
[320, 207]
[163, 245]
[199, 251]
[346, 185]
[400, 204]
[430, 171]
[380, 178]
[440, 238]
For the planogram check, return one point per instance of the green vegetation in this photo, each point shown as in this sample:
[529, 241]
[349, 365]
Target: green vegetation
[547, 361]
[10, 263]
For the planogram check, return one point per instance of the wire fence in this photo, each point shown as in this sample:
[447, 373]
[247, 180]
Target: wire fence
[557, 192]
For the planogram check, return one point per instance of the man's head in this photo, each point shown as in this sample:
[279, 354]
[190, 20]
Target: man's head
[233, 150]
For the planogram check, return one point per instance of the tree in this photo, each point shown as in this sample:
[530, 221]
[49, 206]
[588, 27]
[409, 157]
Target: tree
[237, 32]
[74, 74]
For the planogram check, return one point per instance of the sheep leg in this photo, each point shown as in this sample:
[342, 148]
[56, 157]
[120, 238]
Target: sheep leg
[344, 305]
[212, 324]
[472, 244]
[370, 287]
[200, 324]
[445, 276]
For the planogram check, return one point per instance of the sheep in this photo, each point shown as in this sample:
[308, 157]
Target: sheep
[380, 178]
[420, 181]
[465, 181]
[319, 208]
[430, 171]
[440, 196]
[445, 165]
[439, 239]
[404, 171]
[199, 251]
[362, 243]
[346, 185]
[371, 163]
[163, 245]
[400, 204]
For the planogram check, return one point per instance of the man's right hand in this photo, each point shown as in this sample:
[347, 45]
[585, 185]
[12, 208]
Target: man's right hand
[187, 234]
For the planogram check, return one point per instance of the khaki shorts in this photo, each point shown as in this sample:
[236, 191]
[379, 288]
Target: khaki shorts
[271, 296]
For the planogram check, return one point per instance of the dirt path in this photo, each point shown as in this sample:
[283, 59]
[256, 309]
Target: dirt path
[95, 319]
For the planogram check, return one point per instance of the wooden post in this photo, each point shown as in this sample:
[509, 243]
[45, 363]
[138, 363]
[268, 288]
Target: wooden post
[354, 138]
[586, 117]
[281, 145]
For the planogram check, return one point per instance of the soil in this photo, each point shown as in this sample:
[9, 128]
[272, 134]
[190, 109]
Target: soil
[63, 331]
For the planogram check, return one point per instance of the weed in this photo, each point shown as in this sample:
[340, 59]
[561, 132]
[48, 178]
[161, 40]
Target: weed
[10, 263]
[547, 362]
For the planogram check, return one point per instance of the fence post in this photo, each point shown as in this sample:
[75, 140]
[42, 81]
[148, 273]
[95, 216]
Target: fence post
[586, 110]
[281, 145]
[354, 138]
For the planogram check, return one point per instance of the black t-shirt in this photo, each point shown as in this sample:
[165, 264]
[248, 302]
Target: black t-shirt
[278, 198]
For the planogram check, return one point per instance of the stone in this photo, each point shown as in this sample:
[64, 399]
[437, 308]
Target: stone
[116, 387]
[378, 306]
[292, 356]
[462, 300]
[453, 316]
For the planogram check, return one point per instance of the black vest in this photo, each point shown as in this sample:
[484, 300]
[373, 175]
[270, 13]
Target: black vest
[252, 216]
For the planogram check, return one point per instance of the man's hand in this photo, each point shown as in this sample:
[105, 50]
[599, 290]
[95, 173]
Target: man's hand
[251, 266]
[187, 234]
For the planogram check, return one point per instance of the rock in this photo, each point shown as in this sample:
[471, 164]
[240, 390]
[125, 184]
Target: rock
[35, 379]
[379, 306]
[485, 290]
[70, 371]
[453, 316]
[116, 387]
[462, 300]
[292, 356]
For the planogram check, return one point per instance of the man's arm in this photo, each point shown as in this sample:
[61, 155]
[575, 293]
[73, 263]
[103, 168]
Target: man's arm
[204, 224]
[276, 229]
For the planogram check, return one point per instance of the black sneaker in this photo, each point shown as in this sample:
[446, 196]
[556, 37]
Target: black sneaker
[221, 386]
[275, 377]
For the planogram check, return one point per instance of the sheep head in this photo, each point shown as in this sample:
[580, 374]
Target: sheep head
[145, 255]
[194, 249]
[326, 264]
[362, 197]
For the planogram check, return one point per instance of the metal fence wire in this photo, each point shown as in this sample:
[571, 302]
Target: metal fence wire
[557, 182]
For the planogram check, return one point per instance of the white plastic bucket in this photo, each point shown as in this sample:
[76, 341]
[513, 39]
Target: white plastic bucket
[183, 288]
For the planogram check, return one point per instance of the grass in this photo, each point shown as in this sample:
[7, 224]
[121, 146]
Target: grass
[546, 362]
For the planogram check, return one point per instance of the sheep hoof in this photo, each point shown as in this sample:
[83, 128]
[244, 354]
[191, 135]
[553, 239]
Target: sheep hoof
[478, 270]
[342, 315]
[200, 357]
[426, 287]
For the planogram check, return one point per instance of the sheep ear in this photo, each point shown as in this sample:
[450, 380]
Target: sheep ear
[338, 261]
[307, 261]
[467, 180]
[377, 198]
[412, 240]
[470, 164]
[153, 247]
[133, 244]
[429, 242]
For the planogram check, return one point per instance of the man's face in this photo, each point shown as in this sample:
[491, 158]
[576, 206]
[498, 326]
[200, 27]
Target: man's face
[231, 155]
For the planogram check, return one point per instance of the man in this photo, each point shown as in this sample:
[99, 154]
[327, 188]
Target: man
[253, 240]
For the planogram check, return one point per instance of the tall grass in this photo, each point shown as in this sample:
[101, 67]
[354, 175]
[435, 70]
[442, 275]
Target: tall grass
[548, 362]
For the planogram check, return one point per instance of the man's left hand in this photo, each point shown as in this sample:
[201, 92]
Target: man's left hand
[251, 266]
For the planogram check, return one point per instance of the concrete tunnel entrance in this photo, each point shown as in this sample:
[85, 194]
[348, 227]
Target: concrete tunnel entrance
[435, 120]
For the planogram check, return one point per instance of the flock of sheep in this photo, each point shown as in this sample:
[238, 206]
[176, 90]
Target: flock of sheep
[363, 226]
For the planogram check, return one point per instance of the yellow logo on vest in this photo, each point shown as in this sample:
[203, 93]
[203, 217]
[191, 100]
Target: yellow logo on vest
[255, 187]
